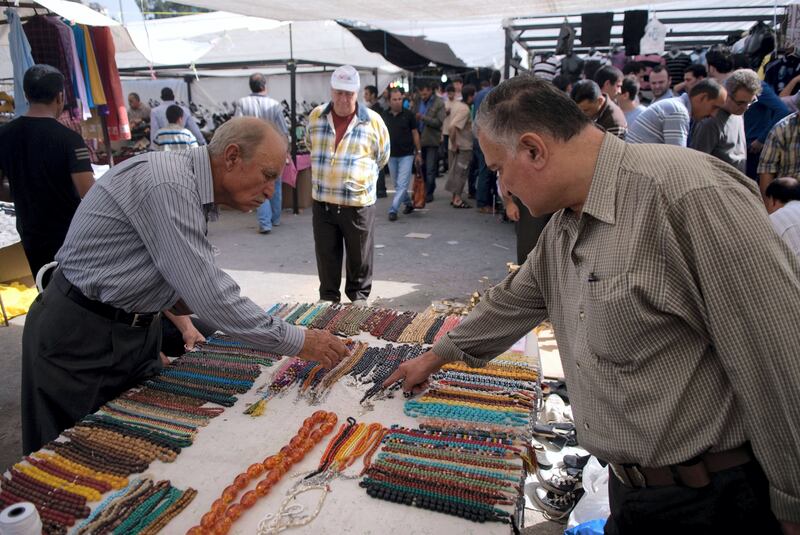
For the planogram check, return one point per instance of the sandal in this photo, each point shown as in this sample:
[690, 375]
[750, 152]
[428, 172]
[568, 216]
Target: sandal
[462, 205]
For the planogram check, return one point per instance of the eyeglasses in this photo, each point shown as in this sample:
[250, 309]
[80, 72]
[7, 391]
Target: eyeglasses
[744, 103]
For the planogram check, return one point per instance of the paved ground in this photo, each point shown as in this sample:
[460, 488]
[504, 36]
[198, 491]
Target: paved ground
[464, 246]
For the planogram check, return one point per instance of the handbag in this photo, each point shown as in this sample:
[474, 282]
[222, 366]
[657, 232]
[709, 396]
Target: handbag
[419, 191]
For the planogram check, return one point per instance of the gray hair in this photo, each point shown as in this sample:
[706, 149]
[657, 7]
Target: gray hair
[525, 104]
[743, 79]
[245, 132]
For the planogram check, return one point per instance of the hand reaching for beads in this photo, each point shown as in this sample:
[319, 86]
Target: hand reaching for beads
[323, 347]
[192, 337]
[415, 372]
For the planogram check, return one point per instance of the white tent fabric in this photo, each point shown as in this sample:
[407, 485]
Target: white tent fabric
[221, 37]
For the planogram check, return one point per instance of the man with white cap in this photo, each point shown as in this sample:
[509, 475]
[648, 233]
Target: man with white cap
[349, 145]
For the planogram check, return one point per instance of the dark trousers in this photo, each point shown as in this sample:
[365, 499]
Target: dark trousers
[444, 153]
[339, 230]
[74, 361]
[380, 188]
[484, 186]
[528, 228]
[736, 501]
[430, 168]
[752, 164]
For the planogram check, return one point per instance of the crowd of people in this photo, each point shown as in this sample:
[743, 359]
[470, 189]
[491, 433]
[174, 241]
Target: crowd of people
[654, 259]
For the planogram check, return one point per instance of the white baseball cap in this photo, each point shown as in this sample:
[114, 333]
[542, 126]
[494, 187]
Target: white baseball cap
[345, 78]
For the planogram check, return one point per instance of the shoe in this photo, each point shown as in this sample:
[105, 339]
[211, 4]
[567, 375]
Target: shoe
[541, 456]
[485, 210]
[392, 216]
[408, 209]
[429, 198]
[262, 230]
[559, 483]
[360, 302]
[556, 507]
[576, 461]
[460, 205]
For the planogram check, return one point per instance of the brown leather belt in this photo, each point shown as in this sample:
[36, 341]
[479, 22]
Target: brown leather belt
[694, 474]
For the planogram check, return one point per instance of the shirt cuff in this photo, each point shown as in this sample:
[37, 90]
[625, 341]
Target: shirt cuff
[785, 507]
[293, 341]
[448, 351]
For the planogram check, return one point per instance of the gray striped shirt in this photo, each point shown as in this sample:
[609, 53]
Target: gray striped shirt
[675, 306]
[263, 107]
[665, 122]
[138, 242]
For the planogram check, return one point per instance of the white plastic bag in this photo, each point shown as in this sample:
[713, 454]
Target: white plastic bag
[594, 503]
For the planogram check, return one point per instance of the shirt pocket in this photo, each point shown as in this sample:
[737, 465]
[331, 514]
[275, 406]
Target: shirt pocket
[613, 329]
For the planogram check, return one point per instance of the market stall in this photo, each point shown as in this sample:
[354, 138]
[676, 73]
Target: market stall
[230, 432]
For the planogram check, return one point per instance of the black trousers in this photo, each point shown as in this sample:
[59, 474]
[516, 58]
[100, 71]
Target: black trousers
[736, 501]
[339, 230]
[430, 168]
[74, 361]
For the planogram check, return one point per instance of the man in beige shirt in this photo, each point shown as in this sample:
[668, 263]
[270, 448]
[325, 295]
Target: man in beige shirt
[675, 308]
[460, 141]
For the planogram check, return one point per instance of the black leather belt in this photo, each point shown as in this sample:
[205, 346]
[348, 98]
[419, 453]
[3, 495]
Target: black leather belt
[695, 474]
[72, 293]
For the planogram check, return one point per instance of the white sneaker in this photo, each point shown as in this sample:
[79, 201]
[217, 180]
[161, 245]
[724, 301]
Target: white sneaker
[554, 409]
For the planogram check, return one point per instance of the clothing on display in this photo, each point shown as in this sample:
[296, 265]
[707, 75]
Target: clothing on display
[633, 29]
[655, 34]
[572, 67]
[117, 113]
[51, 44]
[792, 25]
[596, 29]
[566, 38]
[21, 57]
[781, 71]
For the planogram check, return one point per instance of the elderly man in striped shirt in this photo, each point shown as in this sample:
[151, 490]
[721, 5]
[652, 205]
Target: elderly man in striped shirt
[258, 104]
[137, 245]
[349, 145]
[669, 121]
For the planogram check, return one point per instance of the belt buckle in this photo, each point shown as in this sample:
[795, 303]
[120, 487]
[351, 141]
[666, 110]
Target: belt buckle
[630, 476]
[140, 320]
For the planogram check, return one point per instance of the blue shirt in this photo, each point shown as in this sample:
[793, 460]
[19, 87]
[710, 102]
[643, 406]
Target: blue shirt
[479, 96]
[764, 114]
[423, 107]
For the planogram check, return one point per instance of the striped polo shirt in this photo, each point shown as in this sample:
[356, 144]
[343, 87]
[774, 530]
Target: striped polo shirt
[664, 122]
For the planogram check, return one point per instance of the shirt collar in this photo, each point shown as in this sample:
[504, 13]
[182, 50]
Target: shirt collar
[201, 163]
[602, 198]
[361, 112]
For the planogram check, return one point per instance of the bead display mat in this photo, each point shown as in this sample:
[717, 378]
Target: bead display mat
[233, 441]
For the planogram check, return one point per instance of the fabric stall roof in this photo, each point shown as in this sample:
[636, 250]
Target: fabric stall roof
[407, 10]
[222, 40]
[408, 51]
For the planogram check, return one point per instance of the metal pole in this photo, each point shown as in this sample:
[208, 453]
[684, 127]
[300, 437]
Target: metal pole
[291, 66]
[509, 49]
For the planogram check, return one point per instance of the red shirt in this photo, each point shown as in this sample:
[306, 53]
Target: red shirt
[340, 124]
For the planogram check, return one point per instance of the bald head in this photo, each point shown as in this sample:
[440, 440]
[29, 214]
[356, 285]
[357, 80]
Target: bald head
[247, 158]
[247, 133]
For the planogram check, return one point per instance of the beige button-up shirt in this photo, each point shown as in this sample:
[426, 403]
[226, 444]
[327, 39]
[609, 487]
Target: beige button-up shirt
[676, 310]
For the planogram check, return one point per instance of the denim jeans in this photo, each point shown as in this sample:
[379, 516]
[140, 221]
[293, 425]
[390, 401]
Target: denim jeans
[486, 178]
[430, 159]
[400, 168]
[269, 213]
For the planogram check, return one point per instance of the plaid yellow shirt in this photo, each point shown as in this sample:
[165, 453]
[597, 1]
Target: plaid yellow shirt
[781, 152]
[347, 174]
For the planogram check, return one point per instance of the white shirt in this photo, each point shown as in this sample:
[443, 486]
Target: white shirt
[786, 222]
[158, 120]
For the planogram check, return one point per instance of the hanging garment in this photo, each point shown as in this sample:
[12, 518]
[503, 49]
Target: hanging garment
[21, 58]
[117, 119]
[79, 85]
[98, 94]
[80, 46]
[596, 29]
[654, 36]
[633, 30]
[49, 40]
[566, 38]
[793, 26]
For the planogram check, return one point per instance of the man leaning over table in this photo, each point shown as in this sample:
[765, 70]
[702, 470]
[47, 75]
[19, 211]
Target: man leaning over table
[137, 245]
[682, 376]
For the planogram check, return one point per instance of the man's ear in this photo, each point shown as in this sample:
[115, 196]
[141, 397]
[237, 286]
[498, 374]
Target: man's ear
[232, 156]
[535, 147]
